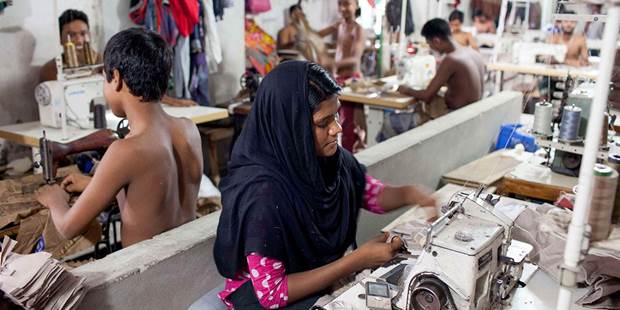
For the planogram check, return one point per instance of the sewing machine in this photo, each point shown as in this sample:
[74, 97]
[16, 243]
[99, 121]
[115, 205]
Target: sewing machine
[465, 260]
[69, 100]
[416, 71]
[527, 52]
[53, 152]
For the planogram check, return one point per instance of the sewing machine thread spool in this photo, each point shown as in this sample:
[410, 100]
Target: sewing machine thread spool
[99, 116]
[613, 161]
[71, 59]
[603, 194]
[88, 53]
[543, 115]
[569, 127]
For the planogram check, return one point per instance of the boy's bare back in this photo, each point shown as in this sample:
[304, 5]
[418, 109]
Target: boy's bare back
[166, 172]
[466, 77]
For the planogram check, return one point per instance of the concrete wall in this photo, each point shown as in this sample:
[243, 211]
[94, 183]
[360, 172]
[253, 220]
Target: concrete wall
[320, 13]
[422, 155]
[169, 271]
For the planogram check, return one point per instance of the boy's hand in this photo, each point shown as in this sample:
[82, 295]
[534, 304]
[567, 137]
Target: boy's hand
[75, 183]
[404, 90]
[377, 251]
[52, 195]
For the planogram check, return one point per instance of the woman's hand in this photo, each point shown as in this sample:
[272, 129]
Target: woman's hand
[377, 251]
[75, 183]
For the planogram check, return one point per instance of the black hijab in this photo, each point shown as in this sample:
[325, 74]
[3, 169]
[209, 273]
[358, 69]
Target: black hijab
[276, 200]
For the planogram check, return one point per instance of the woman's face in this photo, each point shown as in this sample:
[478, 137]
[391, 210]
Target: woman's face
[326, 127]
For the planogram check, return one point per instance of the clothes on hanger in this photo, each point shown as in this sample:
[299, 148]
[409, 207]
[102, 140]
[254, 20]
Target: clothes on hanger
[213, 46]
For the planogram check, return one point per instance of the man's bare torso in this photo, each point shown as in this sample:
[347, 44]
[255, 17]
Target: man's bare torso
[465, 85]
[346, 36]
[575, 46]
[168, 169]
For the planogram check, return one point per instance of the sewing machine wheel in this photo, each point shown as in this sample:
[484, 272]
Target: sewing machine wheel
[429, 294]
[571, 161]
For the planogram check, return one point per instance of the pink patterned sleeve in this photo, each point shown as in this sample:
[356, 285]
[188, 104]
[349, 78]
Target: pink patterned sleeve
[269, 281]
[372, 191]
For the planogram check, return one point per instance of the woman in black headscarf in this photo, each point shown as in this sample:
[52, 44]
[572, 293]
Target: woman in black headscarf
[292, 197]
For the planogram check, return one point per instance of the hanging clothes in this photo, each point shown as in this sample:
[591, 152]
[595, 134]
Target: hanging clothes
[185, 13]
[213, 46]
[228, 3]
[199, 71]
[147, 13]
[393, 10]
[169, 29]
[181, 71]
[218, 9]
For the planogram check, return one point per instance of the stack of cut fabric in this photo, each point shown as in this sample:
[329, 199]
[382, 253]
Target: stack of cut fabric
[37, 281]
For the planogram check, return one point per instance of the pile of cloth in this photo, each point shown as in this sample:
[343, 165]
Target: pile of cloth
[36, 281]
[546, 227]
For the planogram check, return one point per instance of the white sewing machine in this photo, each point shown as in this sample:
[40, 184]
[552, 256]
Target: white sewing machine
[68, 100]
[416, 71]
[466, 260]
[526, 52]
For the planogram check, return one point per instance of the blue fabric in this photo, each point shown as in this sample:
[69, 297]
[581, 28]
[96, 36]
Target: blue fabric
[279, 198]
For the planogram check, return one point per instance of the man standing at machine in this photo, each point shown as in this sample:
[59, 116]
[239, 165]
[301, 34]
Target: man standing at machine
[576, 45]
[74, 30]
[462, 69]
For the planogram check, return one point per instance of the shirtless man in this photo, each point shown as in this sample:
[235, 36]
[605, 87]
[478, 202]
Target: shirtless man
[349, 49]
[287, 37]
[576, 46]
[462, 37]
[462, 69]
[155, 171]
[482, 23]
[349, 40]
[74, 25]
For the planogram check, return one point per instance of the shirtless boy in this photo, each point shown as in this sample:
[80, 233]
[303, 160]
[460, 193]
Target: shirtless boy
[462, 69]
[482, 23]
[155, 171]
[460, 36]
[576, 46]
[349, 49]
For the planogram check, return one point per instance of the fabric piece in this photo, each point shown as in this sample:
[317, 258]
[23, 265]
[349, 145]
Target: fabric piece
[393, 10]
[268, 278]
[185, 14]
[603, 277]
[181, 70]
[218, 9]
[169, 29]
[212, 44]
[277, 200]
[260, 47]
[199, 79]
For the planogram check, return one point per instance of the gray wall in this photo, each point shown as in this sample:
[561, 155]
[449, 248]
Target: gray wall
[422, 155]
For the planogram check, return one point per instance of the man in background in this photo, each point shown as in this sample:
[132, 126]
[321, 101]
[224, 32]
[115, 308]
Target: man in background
[462, 70]
[482, 23]
[576, 45]
[74, 26]
[464, 38]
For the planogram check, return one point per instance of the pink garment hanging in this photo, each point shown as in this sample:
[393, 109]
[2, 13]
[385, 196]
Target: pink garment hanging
[257, 6]
[185, 14]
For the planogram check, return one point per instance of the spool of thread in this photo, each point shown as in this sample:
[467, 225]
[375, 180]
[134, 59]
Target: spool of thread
[99, 116]
[614, 162]
[569, 127]
[88, 53]
[543, 115]
[71, 59]
[603, 195]
[605, 133]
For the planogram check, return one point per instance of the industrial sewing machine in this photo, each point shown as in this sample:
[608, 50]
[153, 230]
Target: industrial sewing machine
[468, 261]
[528, 52]
[464, 260]
[69, 101]
[53, 152]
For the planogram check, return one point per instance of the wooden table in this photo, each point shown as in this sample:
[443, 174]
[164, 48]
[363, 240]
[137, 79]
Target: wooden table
[524, 176]
[560, 71]
[30, 133]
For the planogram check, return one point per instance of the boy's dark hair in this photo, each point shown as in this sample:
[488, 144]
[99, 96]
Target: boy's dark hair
[456, 14]
[293, 8]
[143, 60]
[478, 13]
[320, 85]
[436, 28]
[69, 16]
